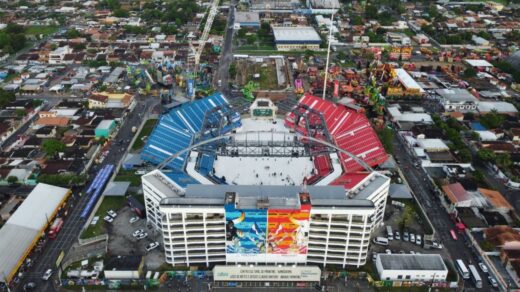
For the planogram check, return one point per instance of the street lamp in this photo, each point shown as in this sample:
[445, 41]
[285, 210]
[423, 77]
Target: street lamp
[328, 56]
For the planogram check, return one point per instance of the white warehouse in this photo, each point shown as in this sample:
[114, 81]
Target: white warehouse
[411, 267]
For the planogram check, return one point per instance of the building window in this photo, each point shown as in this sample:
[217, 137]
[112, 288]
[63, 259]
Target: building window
[400, 277]
[408, 277]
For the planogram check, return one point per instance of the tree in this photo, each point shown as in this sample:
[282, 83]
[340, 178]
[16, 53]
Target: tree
[12, 179]
[470, 72]
[120, 13]
[20, 112]
[356, 20]
[241, 33]
[6, 97]
[503, 160]
[251, 39]
[72, 33]
[492, 120]
[474, 136]
[465, 155]
[370, 12]
[232, 70]
[52, 146]
[486, 155]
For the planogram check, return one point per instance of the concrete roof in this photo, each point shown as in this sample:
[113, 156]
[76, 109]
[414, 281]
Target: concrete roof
[295, 34]
[116, 188]
[247, 17]
[412, 262]
[479, 63]
[456, 94]
[499, 106]
[399, 191]
[326, 196]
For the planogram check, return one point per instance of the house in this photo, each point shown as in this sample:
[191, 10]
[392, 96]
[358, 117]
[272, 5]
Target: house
[58, 55]
[105, 128]
[53, 121]
[457, 195]
[101, 100]
[501, 107]
[496, 200]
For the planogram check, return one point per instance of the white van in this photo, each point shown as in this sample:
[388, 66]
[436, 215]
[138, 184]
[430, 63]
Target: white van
[381, 240]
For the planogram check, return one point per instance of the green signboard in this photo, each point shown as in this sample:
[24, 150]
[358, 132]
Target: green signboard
[264, 112]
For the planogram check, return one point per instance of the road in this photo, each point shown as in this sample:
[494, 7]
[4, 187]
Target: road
[226, 57]
[441, 220]
[73, 223]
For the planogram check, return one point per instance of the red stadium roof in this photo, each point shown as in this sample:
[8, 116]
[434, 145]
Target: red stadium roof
[350, 130]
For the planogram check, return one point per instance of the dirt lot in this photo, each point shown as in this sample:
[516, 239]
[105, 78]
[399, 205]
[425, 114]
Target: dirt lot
[121, 241]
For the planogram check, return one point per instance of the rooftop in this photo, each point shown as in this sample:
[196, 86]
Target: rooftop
[412, 262]
[456, 95]
[296, 34]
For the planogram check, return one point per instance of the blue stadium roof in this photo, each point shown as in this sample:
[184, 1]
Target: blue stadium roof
[176, 130]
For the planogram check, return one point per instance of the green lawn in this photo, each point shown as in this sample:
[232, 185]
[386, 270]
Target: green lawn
[40, 29]
[128, 175]
[114, 203]
[147, 129]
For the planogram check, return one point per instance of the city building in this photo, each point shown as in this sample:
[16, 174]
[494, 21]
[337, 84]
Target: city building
[296, 38]
[457, 99]
[266, 225]
[323, 6]
[57, 56]
[411, 267]
[123, 267]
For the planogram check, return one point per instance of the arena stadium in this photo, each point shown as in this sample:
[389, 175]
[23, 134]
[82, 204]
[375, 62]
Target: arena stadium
[264, 189]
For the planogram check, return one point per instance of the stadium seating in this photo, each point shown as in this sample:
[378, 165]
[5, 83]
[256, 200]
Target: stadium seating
[350, 130]
[176, 130]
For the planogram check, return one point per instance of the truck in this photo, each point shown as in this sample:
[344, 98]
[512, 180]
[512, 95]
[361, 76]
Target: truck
[55, 228]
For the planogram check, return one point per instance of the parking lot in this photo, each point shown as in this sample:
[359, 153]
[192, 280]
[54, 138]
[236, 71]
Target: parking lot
[403, 219]
[122, 242]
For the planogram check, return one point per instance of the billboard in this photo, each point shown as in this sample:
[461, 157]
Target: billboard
[267, 273]
[268, 235]
[245, 233]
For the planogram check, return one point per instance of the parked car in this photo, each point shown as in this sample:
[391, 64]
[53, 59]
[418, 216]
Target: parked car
[493, 282]
[418, 240]
[112, 213]
[406, 237]
[142, 235]
[152, 246]
[108, 219]
[134, 219]
[412, 237]
[137, 232]
[47, 275]
[437, 245]
[374, 256]
[397, 235]
[483, 267]
[388, 251]
[29, 286]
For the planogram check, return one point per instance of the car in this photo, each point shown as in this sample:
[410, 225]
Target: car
[412, 252]
[412, 237]
[406, 237]
[47, 275]
[401, 252]
[397, 235]
[388, 251]
[112, 213]
[137, 232]
[493, 282]
[108, 219]
[142, 235]
[29, 286]
[418, 239]
[134, 219]
[152, 246]
[483, 267]
[374, 256]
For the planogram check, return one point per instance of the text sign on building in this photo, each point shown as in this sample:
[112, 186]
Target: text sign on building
[266, 273]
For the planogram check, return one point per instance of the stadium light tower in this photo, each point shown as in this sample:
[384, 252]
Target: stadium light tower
[328, 57]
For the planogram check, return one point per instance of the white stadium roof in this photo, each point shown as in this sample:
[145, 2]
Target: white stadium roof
[24, 226]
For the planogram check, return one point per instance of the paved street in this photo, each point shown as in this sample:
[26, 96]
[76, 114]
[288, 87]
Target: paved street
[417, 179]
[73, 223]
[226, 57]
